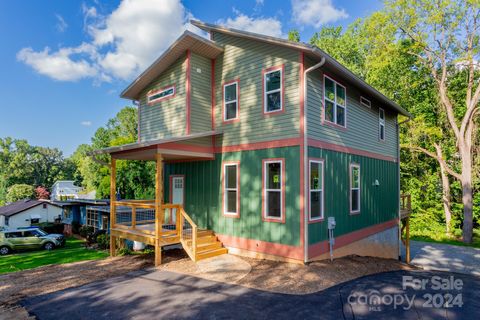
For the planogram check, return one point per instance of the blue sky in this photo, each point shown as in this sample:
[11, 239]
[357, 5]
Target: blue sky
[64, 63]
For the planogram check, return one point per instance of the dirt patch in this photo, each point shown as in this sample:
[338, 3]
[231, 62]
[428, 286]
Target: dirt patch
[292, 278]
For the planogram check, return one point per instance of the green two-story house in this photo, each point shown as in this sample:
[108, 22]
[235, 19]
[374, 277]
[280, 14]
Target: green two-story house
[258, 142]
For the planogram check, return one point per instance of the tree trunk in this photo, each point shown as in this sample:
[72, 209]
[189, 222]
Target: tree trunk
[467, 192]
[446, 197]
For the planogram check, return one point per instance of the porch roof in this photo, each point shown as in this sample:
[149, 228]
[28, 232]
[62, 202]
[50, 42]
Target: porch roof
[172, 148]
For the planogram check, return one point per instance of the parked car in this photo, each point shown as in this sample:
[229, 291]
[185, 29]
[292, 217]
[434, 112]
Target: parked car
[30, 238]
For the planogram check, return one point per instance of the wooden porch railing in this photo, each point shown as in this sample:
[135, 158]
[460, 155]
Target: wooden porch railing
[405, 211]
[139, 217]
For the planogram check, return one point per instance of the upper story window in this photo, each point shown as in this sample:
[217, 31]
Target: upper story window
[230, 101]
[273, 190]
[273, 90]
[354, 188]
[316, 190]
[161, 94]
[231, 191]
[365, 102]
[381, 124]
[335, 102]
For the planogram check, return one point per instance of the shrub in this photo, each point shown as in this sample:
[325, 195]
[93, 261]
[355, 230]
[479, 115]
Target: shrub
[124, 251]
[103, 241]
[85, 231]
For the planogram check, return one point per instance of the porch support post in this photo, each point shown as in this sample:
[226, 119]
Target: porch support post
[158, 207]
[113, 188]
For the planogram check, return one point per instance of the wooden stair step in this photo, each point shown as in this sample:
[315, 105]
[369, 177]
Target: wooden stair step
[203, 239]
[211, 253]
[208, 246]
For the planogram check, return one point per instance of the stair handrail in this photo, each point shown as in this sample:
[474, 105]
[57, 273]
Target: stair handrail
[184, 215]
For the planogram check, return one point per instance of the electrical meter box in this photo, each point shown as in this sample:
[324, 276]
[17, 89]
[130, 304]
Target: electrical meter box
[331, 223]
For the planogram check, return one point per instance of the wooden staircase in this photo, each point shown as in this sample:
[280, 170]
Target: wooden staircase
[198, 243]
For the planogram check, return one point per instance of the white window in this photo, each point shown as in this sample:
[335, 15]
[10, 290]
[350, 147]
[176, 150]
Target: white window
[335, 102]
[365, 102]
[231, 189]
[381, 124]
[230, 101]
[316, 190]
[273, 189]
[272, 83]
[158, 95]
[354, 188]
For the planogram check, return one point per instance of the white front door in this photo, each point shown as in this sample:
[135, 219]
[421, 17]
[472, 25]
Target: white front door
[178, 183]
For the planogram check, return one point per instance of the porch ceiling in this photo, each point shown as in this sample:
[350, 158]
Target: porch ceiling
[175, 148]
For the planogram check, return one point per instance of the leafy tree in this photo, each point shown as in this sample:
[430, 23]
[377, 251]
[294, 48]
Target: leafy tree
[294, 35]
[42, 193]
[446, 38]
[20, 192]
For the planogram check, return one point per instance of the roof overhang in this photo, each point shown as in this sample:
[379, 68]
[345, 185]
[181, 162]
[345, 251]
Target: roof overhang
[187, 41]
[312, 52]
[173, 148]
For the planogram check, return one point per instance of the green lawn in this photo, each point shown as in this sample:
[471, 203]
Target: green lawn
[73, 251]
[439, 236]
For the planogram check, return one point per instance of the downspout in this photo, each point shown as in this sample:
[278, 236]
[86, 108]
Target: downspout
[305, 156]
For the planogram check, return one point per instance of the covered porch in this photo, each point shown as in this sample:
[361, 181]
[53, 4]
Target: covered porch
[154, 222]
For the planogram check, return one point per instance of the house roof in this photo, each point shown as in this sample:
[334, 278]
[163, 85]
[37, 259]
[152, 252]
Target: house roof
[311, 51]
[20, 206]
[188, 40]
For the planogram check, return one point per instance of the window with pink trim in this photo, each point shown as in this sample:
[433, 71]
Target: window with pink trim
[273, 189]
[273, 95]
[316, 190]
[231, 189]
[230, 101]
[335, 102]
[354, 188]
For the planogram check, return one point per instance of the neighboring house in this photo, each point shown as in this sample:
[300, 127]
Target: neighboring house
[261, 140]
[63, 190]
[24, 213]
[75, 211]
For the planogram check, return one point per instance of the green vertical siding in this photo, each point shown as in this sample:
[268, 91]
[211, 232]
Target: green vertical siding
[378, 204]
[201, 95]
[362, 122]
[203, 200]
[245, 59]
[166, 118]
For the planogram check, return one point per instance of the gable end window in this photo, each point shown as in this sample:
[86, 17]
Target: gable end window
[273, 190]
[381, 124]
[161, 94]
[230, 101]
[231, 189]
[365, 102]
[316, 190]
[354, 188]
[335, 102]
[273, 90]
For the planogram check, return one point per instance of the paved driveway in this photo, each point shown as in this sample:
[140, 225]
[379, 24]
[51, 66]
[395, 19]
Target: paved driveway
[165, 295]
[445, 257]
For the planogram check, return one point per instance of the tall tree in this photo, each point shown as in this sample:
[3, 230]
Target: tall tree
[446, 36]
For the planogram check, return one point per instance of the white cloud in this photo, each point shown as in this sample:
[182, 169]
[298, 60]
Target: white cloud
[316, 12]
[60, 65]
[263, 25]
[86, 123]
[61, 23]
[122, 43]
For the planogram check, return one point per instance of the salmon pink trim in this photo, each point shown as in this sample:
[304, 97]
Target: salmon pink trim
[282, 91]
[237, 164]
[282, 191]
[276, 249]
[338, 148]
[154, 91]
[260, 145]
[310, 220]
[343, 240]
[237, 118]
[188, 89]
